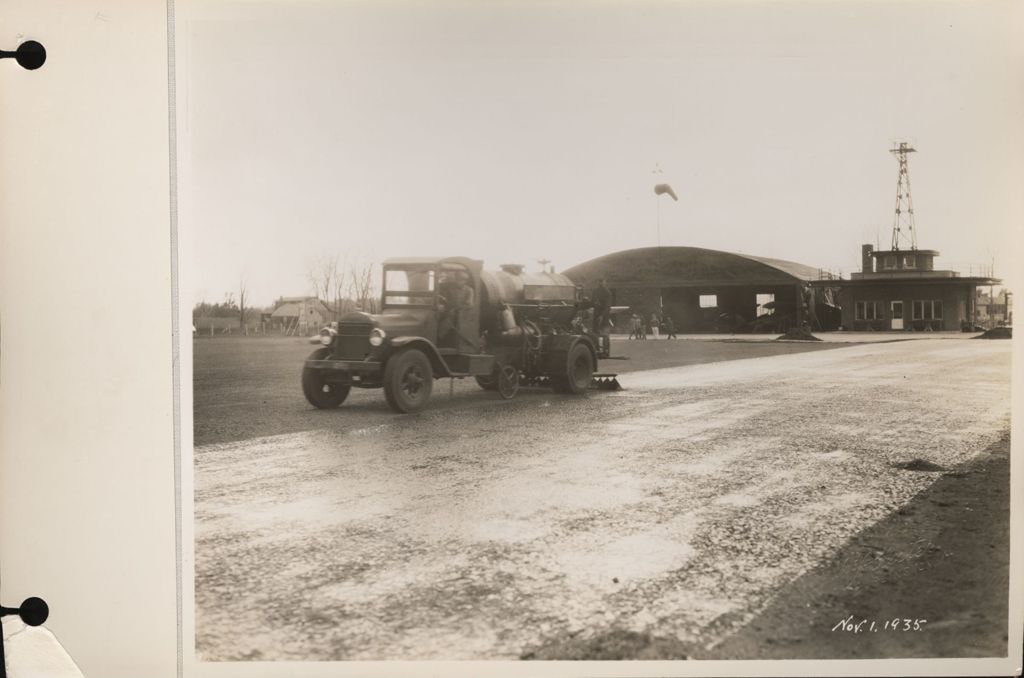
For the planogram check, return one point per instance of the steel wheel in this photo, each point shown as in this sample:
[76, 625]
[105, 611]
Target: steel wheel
[487, 382]
[508, 382]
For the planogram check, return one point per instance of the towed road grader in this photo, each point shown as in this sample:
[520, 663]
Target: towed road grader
[447, 317]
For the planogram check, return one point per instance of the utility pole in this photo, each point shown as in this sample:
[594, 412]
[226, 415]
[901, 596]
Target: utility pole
[990, 311]
[903, 225]
[657, 202]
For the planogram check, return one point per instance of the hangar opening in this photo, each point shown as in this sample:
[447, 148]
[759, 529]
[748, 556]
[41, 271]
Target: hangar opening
[706, 290]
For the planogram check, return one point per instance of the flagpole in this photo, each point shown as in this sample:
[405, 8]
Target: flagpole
[658, 190]
[657, 200]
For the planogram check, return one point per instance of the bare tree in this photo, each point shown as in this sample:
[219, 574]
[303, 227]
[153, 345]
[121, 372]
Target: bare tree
[241, 304]
[343, 282]
[361, 287]
[338, 292]
[326, 275]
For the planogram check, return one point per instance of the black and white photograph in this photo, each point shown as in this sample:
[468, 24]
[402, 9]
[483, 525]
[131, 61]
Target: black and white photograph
[599, 331]
[554, 338]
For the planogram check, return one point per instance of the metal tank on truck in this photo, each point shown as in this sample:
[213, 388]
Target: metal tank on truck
[447, 317]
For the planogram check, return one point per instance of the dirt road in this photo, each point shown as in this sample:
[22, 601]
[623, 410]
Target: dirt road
[674, 510]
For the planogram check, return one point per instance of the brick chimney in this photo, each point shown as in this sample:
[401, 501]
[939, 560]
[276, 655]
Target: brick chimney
[867, 262]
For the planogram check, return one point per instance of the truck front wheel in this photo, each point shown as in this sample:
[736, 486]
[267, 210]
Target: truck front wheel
[408, 380]
[574, 375]
[319, 393]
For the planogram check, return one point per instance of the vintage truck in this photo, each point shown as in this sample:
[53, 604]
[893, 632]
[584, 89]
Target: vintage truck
[447, 317]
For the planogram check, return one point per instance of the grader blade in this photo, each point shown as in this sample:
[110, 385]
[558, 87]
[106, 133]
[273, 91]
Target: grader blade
[605, 382]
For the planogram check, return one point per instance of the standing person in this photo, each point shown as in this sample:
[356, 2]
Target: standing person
[604, 332]
[635, 327]
[655, 325]
[670, 328]
[602, 299]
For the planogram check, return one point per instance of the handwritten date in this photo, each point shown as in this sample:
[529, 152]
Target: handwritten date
[854, 625]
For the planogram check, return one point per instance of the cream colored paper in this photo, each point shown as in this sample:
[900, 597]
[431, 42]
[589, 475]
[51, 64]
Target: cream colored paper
[91, 156]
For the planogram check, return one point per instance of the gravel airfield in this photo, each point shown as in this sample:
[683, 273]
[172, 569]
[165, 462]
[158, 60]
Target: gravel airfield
[673, 510]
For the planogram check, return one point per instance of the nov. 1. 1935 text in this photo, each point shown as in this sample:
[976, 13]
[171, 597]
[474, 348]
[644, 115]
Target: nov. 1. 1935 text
[853, 625]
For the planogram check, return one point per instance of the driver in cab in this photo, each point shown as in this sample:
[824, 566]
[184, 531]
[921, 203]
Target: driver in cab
[455, 295]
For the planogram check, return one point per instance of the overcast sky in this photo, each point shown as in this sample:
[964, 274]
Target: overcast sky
[516, 131]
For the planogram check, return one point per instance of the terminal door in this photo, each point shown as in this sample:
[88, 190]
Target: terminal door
[897, 315]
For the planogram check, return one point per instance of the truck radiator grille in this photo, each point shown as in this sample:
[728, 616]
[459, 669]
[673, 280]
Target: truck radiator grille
[352, 342]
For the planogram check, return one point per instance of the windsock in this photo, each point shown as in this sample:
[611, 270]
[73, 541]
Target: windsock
[665, 188]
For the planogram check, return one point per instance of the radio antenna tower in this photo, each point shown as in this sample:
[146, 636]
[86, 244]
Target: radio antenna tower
[903, 231]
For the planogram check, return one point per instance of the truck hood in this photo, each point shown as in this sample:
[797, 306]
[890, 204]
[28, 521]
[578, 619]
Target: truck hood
[396, 323]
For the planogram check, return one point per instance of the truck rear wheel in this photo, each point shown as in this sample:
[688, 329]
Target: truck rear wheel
[408, 381]
[575, 373]
[321, 394]
[487, 382]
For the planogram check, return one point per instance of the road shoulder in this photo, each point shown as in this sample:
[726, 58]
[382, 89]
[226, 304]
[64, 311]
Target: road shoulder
[943, 558]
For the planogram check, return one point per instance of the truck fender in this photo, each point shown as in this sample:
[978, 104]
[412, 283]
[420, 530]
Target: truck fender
[593, 349]
[436, 362]
[558, 346]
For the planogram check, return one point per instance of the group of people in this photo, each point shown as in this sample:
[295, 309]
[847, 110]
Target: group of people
[641, 327]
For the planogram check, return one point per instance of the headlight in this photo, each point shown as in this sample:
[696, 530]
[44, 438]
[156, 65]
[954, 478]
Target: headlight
[377, 336]
[326, 335]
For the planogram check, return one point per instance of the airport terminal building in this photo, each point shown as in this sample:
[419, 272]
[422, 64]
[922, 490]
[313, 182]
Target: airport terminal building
[901, 290]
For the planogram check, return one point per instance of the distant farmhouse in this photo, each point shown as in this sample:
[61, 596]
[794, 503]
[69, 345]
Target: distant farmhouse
[300, 314]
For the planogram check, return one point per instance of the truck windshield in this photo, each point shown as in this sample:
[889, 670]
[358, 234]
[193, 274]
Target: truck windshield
[408, 287]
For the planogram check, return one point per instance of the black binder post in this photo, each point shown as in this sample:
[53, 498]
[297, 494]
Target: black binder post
[29, 55]
[33, 611]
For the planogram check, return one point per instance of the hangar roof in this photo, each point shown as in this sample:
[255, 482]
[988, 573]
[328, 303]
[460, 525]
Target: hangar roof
[682, 266]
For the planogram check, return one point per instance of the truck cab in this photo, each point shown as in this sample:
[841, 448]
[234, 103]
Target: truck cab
[440, 296]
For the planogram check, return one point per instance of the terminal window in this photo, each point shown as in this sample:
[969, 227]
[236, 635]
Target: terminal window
[927, 310]
[867, 310]
[709, 301]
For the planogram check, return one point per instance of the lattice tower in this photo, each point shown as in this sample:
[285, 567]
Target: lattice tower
[903, 231]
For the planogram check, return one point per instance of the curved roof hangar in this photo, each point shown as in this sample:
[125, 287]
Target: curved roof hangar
[688, 267]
